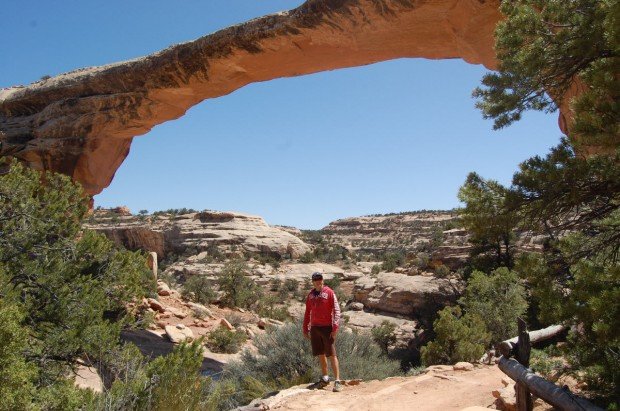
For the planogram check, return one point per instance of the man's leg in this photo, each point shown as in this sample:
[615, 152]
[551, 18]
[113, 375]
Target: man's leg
[335, 367]
[323, 362]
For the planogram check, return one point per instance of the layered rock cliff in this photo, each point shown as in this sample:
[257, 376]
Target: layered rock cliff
[196, 232]
[82, 123]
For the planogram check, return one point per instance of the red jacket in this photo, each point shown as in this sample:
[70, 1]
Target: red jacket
[322, 309]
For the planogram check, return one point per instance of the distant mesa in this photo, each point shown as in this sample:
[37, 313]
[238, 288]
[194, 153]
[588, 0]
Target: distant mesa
[82, 123]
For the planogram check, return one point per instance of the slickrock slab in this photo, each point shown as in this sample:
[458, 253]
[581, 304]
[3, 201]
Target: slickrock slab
[403, 294]
[178, 335]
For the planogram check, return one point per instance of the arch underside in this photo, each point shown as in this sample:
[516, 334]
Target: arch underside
[82, 123]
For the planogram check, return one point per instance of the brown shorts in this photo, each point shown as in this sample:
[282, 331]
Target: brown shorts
[322, 343]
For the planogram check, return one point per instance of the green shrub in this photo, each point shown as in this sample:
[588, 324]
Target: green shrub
[458, 338]
[307, 257]
[267, 306]
[275, 284]
[224, 340]
[442, 271]
[543, 364]
[392, 260]
[198, 288]
[63, 287]
[333, 283]
[239, 290]
[421, 260]
[384, 335]
[498, 299]
[291, 284]
[376, 269]
[283, 294]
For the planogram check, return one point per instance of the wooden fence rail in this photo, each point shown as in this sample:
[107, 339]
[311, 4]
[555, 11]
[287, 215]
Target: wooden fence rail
[527, 382]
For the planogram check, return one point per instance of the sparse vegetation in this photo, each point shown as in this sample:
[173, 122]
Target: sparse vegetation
[384, 335]
[223, 340]
[458, 338]
[238, 290]
[198, 288]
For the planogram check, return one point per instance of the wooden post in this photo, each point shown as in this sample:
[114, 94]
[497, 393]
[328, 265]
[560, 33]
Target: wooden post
[524, 399]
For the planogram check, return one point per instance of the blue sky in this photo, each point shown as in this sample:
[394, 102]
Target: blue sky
[395, 136]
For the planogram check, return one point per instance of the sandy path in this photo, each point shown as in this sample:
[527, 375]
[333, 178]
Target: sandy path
[435, 390]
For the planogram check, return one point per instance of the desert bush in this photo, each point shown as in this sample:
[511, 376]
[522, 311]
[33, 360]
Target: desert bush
[291, 284]
[198, 288]
[437, 237]
[458, 338]
[442, 271]
[268, 306]
[275, 284]
[392, 260]
[421, 260]
[384, 335]
[376, 269]
[333, 283]
[283, 294]
[171, 382]
[239, 291]
[307, 257]
[224, 340]
[542, 363]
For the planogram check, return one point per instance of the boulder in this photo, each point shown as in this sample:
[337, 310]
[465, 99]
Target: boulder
[355, 306]
[226, 324]
[163, 289]
[463, 366]
[409, 295]
[507, 397]
[176, 312]
[156, 305]
[178, 334]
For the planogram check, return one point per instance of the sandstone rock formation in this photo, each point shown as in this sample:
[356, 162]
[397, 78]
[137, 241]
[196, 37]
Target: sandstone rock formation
[434, 232]
[82, 123]
[408, 295]
[196, 231]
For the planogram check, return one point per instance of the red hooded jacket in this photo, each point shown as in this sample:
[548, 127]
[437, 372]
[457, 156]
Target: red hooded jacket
[322, 309]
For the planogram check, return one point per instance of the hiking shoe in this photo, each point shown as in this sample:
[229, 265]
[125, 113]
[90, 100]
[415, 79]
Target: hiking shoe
[322, 383]
[337, 386]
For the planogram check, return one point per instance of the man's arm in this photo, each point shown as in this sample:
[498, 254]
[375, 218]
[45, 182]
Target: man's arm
[305, 328]
[335, 315]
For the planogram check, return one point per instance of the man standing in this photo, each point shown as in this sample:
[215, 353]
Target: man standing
[320, 327]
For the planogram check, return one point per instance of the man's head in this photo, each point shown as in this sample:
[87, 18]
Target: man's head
[317, 281]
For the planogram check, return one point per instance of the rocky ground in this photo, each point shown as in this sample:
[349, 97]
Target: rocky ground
[460, 387]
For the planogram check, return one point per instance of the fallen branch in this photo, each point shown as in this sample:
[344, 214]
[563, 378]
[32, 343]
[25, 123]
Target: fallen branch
[506, 348]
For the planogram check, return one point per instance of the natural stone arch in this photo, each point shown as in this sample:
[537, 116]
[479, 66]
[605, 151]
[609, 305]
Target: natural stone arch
[82, 123]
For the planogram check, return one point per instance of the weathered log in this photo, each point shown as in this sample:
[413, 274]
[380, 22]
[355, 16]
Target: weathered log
[557, 396]
[506, 348]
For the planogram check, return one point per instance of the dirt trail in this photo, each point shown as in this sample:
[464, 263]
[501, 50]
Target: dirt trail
[439, 389]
